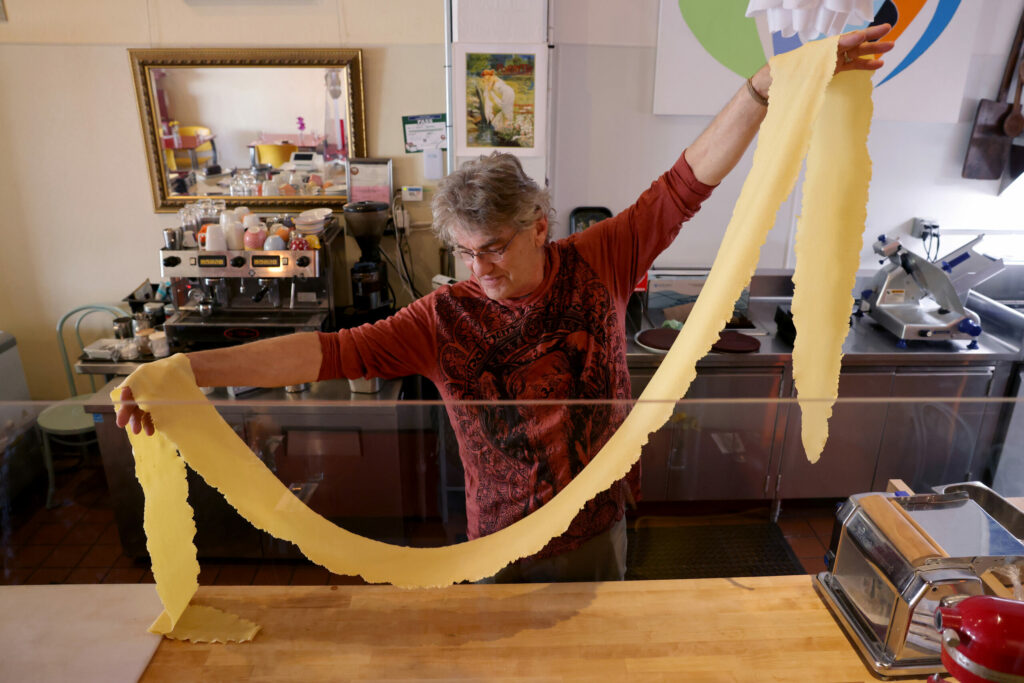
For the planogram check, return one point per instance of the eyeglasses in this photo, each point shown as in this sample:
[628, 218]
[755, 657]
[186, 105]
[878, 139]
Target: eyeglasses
[489, 255]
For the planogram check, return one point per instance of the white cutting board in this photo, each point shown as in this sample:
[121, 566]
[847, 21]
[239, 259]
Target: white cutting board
[77, 632]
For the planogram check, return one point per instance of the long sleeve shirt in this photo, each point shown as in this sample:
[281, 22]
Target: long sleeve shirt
[565, 340]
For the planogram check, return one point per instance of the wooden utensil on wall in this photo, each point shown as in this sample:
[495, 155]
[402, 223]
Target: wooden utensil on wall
[988, 151]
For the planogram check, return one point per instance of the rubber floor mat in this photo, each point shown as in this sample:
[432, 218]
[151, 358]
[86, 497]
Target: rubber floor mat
[713, 551]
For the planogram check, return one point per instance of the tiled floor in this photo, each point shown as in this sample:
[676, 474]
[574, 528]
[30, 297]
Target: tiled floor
[808, 529]
[77, 542]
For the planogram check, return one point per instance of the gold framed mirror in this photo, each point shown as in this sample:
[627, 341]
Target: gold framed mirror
[271, 128]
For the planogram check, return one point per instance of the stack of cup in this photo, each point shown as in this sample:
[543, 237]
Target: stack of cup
[233, 230]
[215, 238]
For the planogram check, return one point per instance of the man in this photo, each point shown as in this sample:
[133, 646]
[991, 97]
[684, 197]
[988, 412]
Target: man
[538, 320]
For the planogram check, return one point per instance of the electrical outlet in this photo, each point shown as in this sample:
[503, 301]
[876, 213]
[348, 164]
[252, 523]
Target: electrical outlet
[924, 227]
[412, 193]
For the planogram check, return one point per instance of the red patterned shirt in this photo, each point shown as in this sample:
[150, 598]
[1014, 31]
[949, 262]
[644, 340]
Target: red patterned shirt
[565, 340]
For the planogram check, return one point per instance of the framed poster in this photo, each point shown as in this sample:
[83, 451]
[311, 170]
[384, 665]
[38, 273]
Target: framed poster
[500, 99]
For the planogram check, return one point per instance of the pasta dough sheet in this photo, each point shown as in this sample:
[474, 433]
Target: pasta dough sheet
[187, 423]
[829, 235]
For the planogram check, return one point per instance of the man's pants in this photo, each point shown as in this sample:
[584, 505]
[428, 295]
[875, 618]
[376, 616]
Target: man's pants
[602, 558]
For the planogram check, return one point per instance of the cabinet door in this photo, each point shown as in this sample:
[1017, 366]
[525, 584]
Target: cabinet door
[931, 440]
[722, 450]
[350, 473]
[847, 464]
[715, 450]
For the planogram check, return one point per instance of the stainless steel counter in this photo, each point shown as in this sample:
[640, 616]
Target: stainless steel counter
[927, 413]
[867, 344]
[331, 390]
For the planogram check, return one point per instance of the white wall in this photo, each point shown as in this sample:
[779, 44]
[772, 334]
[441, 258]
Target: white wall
[77, 223]
[608, 146]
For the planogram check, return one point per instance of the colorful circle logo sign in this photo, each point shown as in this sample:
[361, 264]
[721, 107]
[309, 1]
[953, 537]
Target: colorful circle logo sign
[732, 38]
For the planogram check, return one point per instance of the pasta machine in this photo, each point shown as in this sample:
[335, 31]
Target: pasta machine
[918, 299]
[895, 560]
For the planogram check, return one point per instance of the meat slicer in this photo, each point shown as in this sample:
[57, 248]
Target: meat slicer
[918, 299]
[896, 560]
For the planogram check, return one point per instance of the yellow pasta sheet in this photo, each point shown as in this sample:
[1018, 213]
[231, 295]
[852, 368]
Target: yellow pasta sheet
[188, 425]
[829, 235]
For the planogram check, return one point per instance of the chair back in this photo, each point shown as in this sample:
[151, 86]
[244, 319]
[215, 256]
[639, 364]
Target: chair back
[204, 152]
[197, 130]
[80, 314]
[275, 155]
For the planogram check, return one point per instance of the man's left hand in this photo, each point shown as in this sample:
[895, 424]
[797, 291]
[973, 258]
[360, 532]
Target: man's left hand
[858, 51]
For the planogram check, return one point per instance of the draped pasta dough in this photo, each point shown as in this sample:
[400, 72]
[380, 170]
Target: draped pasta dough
[185, 421]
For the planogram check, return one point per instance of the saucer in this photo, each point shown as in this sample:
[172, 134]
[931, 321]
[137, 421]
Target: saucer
[316, 214]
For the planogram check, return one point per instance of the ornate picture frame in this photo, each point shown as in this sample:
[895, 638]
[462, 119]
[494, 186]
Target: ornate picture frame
[144, 62]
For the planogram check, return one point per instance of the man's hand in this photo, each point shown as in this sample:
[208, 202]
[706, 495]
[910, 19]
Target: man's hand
[850, 55]
[131, 414]
[856, 45]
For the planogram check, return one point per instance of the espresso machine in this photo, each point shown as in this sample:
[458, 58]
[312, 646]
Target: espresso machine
[371, 295]
[234, 296]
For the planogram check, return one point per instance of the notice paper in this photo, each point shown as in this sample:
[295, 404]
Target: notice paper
[809, 109]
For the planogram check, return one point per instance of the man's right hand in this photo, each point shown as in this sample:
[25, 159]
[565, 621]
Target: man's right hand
[131, 414]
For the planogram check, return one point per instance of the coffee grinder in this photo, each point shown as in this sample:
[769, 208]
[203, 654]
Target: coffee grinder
[366, 222]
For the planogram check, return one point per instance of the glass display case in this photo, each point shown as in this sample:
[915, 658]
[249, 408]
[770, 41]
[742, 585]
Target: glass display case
[727, 516]
[390, 469]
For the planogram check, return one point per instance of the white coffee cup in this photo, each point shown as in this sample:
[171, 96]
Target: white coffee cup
[234, 234]
[215, 239]
[252, 222]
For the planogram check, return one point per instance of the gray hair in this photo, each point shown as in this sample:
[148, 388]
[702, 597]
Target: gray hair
[486, 195]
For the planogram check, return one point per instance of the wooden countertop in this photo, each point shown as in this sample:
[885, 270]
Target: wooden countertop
[764, 628]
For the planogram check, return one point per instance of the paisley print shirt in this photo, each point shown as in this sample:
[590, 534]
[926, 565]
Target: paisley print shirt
[505, 368]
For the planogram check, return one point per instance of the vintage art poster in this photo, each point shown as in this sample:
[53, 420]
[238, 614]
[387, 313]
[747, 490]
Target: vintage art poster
[500, 99]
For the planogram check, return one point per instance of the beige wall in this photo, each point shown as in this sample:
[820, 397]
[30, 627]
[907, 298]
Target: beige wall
[77, 224]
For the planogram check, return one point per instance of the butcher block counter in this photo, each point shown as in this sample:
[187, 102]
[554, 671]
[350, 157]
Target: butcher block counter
[744, 629]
